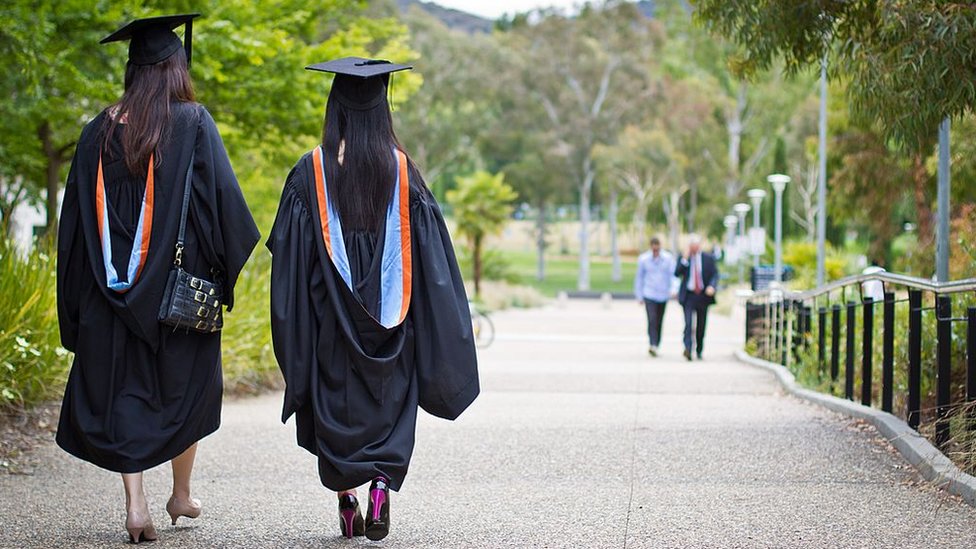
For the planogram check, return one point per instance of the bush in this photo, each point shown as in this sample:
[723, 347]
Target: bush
[248, 357]
[802, 256]
[810, 374]
[33, 365]
[495, 265]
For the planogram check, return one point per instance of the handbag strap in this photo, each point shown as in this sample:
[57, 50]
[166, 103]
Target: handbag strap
[187, 187]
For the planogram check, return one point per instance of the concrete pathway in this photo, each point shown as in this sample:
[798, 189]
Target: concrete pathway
[578, 440]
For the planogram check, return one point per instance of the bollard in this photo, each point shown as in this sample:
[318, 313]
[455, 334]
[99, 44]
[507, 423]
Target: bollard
[914, 357]
[867, 351]
[943, 393]
[606, 298]
[888, 356]
[561, 299]
[835, 345]
[849, 357]
[821, 341]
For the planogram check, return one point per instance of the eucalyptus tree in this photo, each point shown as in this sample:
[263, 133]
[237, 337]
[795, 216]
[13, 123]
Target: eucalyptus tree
[589, 74]
[443, 122]
[910, 65]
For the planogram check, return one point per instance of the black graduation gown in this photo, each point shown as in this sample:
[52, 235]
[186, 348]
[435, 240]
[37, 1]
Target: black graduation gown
[353, 385]
[139, 393]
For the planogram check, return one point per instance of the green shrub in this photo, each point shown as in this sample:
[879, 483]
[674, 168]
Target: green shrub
[802, 256]
[809, 373]
[33, 365]
[495, 265]
[248, 357]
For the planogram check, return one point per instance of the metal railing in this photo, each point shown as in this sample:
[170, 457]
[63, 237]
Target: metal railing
[783, 325]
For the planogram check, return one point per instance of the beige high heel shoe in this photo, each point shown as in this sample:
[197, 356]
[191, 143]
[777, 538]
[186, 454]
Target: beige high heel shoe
[177, 508]
[140, 526]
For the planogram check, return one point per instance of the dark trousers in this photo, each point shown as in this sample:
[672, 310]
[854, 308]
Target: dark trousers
[655, 316]
[696, 311]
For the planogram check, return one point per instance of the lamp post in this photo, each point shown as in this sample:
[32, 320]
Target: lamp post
[741, 209]
[756, 196]
[779, 181]
[730, 223]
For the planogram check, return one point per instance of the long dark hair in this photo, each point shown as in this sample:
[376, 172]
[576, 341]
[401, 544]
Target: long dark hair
[363, 184]
[149, 91]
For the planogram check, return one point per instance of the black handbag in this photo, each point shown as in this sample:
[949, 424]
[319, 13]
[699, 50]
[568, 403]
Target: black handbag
[189, 301]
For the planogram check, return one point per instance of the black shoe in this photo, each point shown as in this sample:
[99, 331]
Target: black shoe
[378, 513]
[687, 354]
[699, 355]
[350, 519]
[652, 350]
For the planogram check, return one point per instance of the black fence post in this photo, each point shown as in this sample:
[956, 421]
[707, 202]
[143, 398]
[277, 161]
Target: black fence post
[849, 358]
[888, 356]
[768, 324]
[807, 326]
[943, 393]
[784, 325]
[835, 344]
[797, 321]
[914, 357]
[971, 355]
[867, 351]
[971, 365]
[821, 341]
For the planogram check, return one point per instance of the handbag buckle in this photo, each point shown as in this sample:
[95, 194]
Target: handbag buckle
[196, 283]
[200, 296]
[202, 312]
[178, 259]
[201, 325]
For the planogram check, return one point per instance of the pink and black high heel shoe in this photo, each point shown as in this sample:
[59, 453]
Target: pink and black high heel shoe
[378, 513]
[350, 519]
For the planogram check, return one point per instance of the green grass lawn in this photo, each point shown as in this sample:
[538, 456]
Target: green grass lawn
[562, 273]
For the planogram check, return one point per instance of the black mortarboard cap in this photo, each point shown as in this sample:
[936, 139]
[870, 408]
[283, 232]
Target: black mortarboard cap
[360, 83]
[152, 40]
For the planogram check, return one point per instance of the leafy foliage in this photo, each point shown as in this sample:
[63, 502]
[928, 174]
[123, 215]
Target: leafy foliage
[33, 365]
[482, 203]
[911, 64]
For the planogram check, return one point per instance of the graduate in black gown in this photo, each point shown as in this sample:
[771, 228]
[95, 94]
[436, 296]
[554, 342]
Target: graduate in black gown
[368, 311]
[140, 393]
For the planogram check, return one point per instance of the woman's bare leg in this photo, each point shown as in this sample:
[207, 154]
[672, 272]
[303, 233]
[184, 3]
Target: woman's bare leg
[138, 521]
[182, 470]
[135, 494]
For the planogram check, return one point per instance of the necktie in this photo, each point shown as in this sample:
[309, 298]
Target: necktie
[696, 272]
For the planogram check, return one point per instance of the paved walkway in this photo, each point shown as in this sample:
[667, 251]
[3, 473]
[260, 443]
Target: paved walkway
[579, 440]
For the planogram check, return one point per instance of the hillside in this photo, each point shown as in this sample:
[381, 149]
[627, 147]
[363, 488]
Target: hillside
[452, 18]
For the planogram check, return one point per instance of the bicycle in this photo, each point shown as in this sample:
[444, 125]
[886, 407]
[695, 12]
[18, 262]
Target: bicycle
[482, 326]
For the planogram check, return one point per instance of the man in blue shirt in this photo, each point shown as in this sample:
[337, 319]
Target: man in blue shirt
[654, 285]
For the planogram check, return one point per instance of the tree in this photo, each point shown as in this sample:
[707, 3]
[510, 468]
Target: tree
[53, 76]
[909, 64]
[589, 74]
[246, 69]
[441, 122]
[645, 164]
[482, 203]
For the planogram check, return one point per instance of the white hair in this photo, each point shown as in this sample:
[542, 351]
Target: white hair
[694, 239]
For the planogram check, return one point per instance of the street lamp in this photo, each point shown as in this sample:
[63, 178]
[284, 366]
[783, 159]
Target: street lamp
[730, 223]
[779, 181]
[756, 196]
[741, 209]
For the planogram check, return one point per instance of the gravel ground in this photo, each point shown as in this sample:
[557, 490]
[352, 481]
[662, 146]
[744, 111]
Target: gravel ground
[579, 439]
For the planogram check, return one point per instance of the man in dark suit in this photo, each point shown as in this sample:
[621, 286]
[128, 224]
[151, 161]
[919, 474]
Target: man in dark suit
[698, 273]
